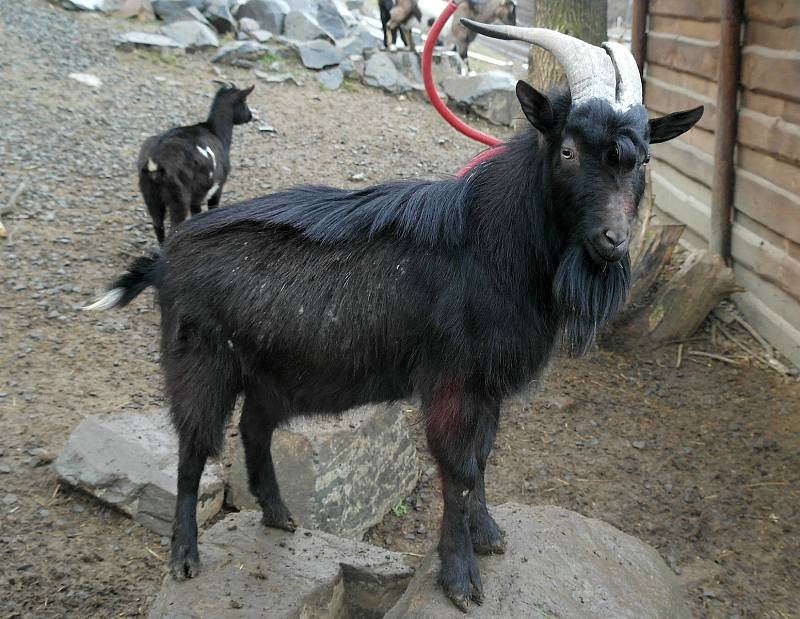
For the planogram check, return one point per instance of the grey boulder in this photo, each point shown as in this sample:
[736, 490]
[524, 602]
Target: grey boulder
[340, 475]
[318, 54]
[237, 52]
[191, 34]
[331, 79]
[491, 95]
[381, 72]
[331, 19]
[357, 41]
[165, 9]
[302, 26]
[218, 12]
[253, 572]
[270, 14]
[130, 461]
[557, 564]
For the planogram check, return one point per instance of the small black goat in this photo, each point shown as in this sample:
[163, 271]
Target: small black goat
[399, 15]
[186, 166]
[318, 299]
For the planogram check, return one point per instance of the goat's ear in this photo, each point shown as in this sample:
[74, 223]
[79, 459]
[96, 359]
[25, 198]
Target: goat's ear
[243, 94]
[672, 125]
[536, 107]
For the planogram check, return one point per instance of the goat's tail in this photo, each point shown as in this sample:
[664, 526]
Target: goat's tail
[143, 272]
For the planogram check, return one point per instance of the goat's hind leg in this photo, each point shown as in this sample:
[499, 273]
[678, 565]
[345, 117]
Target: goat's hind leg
[260, 416]
[202, 391]
[487, 537]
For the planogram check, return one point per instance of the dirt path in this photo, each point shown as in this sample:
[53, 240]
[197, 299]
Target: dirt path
[717, 477]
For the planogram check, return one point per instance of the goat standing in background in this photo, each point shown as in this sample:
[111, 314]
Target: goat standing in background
[484, 11]
[186, 166]
[316, 299]
[399, 15]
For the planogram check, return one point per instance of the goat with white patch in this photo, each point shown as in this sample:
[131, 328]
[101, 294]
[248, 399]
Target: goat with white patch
[186, 166]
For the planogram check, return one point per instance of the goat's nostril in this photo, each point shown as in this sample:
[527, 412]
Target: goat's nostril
[615, 238]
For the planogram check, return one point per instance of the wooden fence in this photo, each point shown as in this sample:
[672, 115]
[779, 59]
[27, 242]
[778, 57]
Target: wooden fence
[687, 64]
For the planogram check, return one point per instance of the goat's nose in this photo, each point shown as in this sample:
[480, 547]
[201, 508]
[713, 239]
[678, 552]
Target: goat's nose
[615, 237]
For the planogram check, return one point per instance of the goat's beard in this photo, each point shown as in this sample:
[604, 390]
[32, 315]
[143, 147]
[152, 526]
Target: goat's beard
[587, 295]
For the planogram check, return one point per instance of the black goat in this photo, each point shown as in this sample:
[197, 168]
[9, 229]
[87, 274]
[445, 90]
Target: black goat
[398, 15]
[186, 166]
[318, 299]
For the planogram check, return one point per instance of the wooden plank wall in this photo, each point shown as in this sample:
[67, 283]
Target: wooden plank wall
[682, 51]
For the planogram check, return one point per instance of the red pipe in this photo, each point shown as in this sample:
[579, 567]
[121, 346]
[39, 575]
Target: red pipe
[430, 87]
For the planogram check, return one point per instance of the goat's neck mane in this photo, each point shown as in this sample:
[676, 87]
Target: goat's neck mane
[220, 120]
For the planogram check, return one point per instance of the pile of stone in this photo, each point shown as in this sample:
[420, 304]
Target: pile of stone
[341, 475]
[331, 37]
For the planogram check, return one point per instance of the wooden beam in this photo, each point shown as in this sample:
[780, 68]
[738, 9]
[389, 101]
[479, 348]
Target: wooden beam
[730, 28]
[639, 33]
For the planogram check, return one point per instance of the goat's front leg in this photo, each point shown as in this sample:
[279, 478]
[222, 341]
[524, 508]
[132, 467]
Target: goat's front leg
[487, 537]
[450, 429]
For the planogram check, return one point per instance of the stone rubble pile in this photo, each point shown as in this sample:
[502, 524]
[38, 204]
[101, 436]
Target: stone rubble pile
[340, 39]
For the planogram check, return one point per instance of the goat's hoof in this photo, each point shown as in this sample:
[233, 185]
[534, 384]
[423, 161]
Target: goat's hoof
[462, 584]
[279, 519]
[184, 563]
[489, 539]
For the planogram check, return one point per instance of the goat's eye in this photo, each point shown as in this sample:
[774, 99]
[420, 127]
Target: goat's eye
[646, 159]
[567, 153]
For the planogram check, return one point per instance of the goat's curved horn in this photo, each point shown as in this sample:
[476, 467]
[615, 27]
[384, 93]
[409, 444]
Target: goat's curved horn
[591, 71]
[629, 82]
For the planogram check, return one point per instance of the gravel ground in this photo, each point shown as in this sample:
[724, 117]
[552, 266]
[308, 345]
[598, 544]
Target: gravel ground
[715, 482]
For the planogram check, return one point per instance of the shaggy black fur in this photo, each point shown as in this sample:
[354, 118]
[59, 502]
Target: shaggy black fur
[186, 166]
[318, 299]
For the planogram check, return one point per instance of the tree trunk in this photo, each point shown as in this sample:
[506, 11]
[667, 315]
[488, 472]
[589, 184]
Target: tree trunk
[584, 19]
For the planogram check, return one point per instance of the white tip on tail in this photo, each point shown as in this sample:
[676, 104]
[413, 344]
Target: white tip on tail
[152, 166]
[107, 301]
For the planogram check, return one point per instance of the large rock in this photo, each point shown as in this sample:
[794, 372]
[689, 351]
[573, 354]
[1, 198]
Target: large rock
[303, 26]
[165, 9]
[408, 64]
[331, 79]
[191, 34]
[131, 40]
[358, 40]
[238, 52]
[331, 19]
[557, 564]
[340, 475]
[318, 54]
[130, 461]
[250, 571]
[445, 64]
[381, 72]
[218, 12]
[491, 95]
[270, 14]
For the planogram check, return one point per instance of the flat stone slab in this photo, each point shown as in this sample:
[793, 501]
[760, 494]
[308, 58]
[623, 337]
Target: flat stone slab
[251, 571]
[340, 475]
[557, 564]
[130, 461]
[131, 40]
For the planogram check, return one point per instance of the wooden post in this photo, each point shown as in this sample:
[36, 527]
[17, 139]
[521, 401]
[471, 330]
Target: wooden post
[639, 33]
[730, 27]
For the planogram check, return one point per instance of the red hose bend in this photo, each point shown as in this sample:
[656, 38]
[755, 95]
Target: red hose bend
[436, 101]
